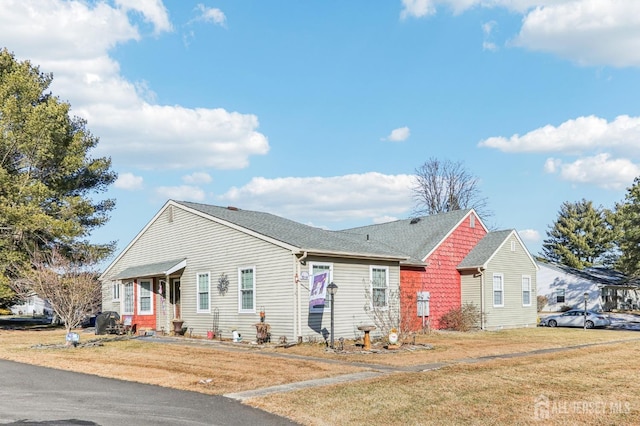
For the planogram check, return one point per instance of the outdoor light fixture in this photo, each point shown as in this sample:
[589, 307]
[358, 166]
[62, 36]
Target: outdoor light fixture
[332, 289]
[586, 298]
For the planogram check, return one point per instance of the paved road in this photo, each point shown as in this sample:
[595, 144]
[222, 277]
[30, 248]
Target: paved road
[31, 395]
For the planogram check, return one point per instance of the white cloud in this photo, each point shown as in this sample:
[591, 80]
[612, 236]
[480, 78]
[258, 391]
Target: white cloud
[384, 219]
[128, 181]
[323, 200]
[575, 136]
[197, 177]
[487, 30]
[592, 140]
[72, 39]
[529, 235]
[417, 8]
[588, 32]
[599, 170]
[422, 8]
[487, 45]
[211, 14]
[153, 11]
[552, 165]
[181, 193]
[399, 135]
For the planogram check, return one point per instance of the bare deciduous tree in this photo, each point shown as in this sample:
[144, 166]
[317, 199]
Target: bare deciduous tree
[443, 186]
[390, 313]
[71, 287]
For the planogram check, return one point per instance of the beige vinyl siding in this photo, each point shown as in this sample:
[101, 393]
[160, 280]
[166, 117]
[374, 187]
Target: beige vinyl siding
[215, 248]
[470, 290]
[352, 278]
[108, 304]
[512, 265]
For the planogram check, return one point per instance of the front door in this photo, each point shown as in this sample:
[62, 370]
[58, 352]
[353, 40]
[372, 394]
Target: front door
[174, 297]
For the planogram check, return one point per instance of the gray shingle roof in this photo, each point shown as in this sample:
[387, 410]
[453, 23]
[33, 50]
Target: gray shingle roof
[486, 247]
[415, 237]
[597, 274]
[304, 237]
[151, 269]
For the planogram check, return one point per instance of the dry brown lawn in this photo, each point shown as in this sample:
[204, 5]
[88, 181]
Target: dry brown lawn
[587, 385]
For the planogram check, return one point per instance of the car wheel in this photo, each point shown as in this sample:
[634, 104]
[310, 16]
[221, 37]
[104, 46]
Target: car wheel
[552, 323]
[589, 324]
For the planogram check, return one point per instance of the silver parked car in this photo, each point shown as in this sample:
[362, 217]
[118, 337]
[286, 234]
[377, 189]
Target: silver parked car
[575, 318]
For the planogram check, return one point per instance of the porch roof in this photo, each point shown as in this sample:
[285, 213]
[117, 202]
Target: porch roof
[152, 269]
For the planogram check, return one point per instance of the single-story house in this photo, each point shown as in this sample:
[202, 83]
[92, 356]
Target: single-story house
[224, 270]
[606, 289]
[448, 257]
[435, 246]
[499, 276]
[32, 305]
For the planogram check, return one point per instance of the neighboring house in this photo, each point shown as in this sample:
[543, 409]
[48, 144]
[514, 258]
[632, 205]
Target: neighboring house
[32, 305]
[435, 246]
[606, 288]
[499, 277]
[218, 268]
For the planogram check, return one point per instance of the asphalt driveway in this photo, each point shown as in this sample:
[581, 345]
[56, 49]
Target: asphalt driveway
[31, 395]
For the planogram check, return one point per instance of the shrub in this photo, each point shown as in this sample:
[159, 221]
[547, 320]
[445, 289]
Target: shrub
[542, 302]
[565, 308]
[464, 318]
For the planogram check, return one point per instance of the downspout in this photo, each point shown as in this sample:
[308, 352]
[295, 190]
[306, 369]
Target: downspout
[299, 311]
[481, 298]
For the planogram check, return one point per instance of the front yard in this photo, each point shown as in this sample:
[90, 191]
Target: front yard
[592, 384]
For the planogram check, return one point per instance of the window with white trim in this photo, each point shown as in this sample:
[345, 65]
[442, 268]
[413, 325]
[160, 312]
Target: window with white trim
[560, 295]
[379, 286]
[204, 292]
[498, 290]
[247, 290]
[115, 291]
[318, 268]
[128, 298]
[145, 297]
[526, 290]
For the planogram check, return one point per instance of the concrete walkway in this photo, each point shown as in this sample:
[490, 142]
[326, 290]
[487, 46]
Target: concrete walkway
[240, 396]
[373, 370]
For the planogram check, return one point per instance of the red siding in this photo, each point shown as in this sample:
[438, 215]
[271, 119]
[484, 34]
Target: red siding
[440, 278]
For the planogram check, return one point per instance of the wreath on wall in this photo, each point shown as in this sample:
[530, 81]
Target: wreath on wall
[223, 284]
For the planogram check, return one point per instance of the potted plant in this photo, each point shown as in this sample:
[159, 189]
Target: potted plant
[177, 325]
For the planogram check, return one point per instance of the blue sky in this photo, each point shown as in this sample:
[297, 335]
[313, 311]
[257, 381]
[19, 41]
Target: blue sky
[320, 111]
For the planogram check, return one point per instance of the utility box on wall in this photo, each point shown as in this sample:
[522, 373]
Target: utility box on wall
[423, 303]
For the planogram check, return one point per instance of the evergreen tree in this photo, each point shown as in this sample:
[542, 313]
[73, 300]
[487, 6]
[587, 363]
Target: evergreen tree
[628, 216]
[47, 178]
[582, 236]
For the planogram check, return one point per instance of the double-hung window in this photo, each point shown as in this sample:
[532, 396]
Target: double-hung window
[560, 295]
[379, 286]
[128, 298]
[498, 290]
[247, 290]
[204, 291]
[115, 291]
[145, 299]
[526, 290]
